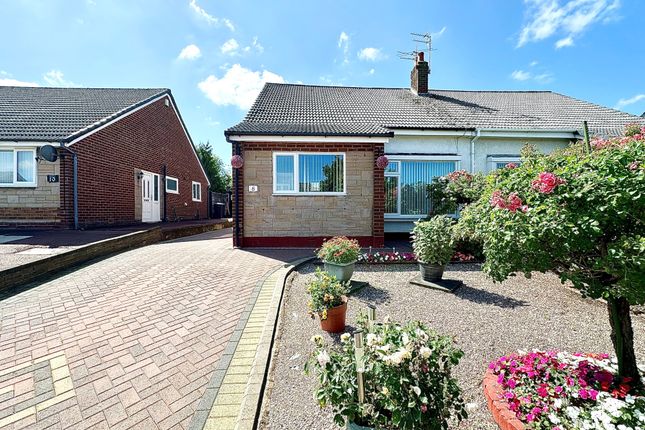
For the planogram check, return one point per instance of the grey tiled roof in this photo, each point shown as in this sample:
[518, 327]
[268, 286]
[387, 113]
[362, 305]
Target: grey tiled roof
[56, 114]
[287, 109]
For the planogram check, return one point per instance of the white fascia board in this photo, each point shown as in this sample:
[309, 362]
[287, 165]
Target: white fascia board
[164, 95]
[414, 132]
[308, 139]
[25, 144]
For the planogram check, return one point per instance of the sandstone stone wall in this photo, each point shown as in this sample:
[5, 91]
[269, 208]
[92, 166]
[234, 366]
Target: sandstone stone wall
[268, 215]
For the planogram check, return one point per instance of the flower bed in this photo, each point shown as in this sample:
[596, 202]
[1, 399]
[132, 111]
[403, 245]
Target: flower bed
[557, 391]
[395, 257]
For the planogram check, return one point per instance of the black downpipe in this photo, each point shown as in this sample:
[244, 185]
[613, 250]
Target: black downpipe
[165, 194]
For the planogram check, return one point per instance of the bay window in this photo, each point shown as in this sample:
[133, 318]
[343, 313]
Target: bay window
[308, 173]
[17, 167]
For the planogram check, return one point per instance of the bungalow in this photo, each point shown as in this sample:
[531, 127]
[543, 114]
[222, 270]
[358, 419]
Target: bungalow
[87, 157]
[307, 154]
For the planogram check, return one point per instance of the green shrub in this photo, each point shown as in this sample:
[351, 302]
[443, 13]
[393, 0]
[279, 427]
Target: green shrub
[432, 240]
[339, 250]
[326, 293]
[407, 373]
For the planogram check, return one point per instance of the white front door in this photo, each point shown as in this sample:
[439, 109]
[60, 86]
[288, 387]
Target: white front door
[150, 198]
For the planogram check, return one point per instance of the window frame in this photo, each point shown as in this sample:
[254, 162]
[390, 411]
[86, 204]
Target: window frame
[172, 178]
[192, 191]
[15, 183]
[393, 158]
[296, 174]
[493, 160]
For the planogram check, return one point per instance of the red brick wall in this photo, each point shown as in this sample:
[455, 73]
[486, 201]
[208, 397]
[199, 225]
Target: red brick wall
[378, 208]
[146, 139]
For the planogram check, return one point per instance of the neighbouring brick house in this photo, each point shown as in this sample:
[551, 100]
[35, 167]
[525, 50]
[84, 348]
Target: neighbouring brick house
[309, 152]
[135, 159]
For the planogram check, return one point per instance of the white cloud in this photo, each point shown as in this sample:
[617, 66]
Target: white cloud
[229, 47]
[520, 75]
[534, 63]
[372, 71]
[255, 45]
[562, 43]
[440, 32]
[523, 75]
[630, 101]
[210, 19]
[343, 44]
[370, 54]
[190, 52]
[9, 82]
[548, 17]
[238, 87]
[55, 78]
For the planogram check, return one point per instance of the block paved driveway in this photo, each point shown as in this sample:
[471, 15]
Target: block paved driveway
[129, 341]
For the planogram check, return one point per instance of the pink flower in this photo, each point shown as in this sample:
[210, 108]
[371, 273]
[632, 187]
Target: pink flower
[511, 383]
[584, 394]
[593, 394]
[530, 418]
[514, 202]
[634, 165]
[546, 182]
[424, 409]
[542, 391]
[511, 166]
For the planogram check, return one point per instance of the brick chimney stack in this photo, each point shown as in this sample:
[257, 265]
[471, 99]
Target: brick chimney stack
[419, 75]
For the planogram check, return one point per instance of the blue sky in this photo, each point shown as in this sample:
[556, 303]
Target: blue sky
[216, 54]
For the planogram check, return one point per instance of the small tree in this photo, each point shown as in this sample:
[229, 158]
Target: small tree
[580, 214]
[220, 180]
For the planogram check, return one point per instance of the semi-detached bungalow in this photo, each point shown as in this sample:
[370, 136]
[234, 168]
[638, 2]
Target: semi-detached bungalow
[309, 152]
[87, 157]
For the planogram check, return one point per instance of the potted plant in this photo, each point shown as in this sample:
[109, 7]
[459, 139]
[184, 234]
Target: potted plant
[433, 244]
[339, 255]
[328, 301]
[407, 374]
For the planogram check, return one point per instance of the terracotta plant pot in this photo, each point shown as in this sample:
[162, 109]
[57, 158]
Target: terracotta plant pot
[431, 272]
[335, 322]
[342, 272]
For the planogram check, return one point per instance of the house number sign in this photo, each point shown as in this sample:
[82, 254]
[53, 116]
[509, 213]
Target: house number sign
[253, 188]
[52, 178]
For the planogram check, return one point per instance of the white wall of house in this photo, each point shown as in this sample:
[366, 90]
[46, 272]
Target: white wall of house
[489, 147]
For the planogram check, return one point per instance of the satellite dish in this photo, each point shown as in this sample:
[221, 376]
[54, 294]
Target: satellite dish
[48, 152]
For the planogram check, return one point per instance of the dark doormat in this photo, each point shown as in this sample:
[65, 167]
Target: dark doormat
[447, 285]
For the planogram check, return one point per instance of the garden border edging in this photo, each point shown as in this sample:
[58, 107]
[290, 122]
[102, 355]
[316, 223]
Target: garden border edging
[502, 415]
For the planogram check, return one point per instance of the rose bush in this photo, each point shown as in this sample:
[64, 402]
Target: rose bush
[454, 189]
[580, 214]
[407, 374]
[553, 390]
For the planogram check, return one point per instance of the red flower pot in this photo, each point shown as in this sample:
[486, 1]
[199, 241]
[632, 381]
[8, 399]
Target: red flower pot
[335, 322]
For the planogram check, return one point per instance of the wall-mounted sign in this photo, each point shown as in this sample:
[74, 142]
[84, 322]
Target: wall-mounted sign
[52, 178]
[253, 188]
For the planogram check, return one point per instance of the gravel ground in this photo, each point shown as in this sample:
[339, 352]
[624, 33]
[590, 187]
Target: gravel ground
[487, 320]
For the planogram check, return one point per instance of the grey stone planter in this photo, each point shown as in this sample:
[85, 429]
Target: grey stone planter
[342, 272]
[431, 272]
[354, 426]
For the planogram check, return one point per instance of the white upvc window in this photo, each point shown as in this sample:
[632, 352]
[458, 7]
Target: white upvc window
[499, 162]
[309, 173]
[406, 183]
[18, 167]
[197, 191]
[172, 185]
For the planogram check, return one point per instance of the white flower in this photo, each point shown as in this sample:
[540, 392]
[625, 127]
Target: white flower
[345, 337]
[471, 407]
[323, 358]
[425, 352]
[405, 339]
[421, 334]
[554, 419]
[416, 390]
[371, 339]
[385, 391]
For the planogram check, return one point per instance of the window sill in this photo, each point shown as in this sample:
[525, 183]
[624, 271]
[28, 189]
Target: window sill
[199, 201]
[18, 185]
[308, 194]
[172, 192]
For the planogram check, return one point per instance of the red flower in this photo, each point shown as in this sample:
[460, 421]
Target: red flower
[546, 182]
